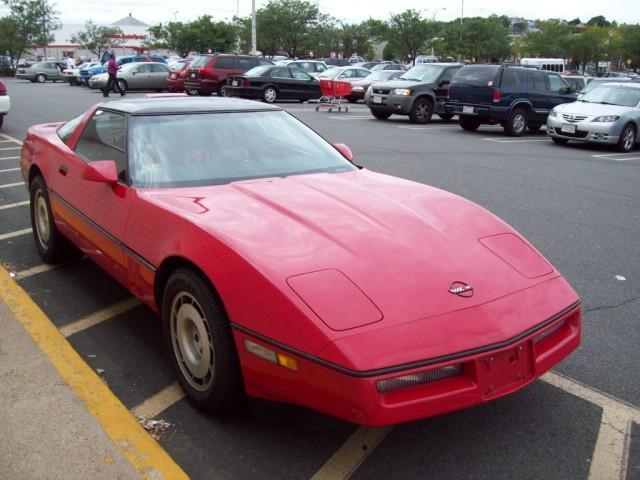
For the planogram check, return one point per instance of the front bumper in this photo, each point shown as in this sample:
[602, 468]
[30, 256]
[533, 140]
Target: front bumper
[486, 374]
[244, 92]
[203, 85]
[25, 76]
[396, 104]
[5, 104]
[93, 83]
[484, 113]
[586, 131]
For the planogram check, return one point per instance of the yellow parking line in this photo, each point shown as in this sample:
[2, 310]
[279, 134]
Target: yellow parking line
[351, 455]
[142, 451]
[99, 316]
[158, 403]
[17, 233]
[13, 205]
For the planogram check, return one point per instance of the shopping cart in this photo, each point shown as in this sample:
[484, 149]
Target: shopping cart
[333, 93]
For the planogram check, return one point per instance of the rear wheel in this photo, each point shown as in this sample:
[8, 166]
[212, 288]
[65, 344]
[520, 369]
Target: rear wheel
[269, 94]
[41, 78]
[627, 139]
[516, 124]
[445, 116]
[51, 245]
[559, 141]
[123, 85]
[198, 335]
[222, 91]
[470, 124]
[421, 111]
[380, 114]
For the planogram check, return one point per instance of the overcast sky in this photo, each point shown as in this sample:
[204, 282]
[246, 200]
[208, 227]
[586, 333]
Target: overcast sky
[153, 11]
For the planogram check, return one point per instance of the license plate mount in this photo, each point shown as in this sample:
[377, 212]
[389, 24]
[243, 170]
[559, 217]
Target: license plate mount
[568, 128]
[506, 369]
[467, 109]
[377, 99]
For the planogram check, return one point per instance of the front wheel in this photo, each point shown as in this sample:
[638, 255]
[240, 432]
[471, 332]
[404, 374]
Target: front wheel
[516, 124]
[269, 94]
[51, 245]
[380, 114]
[222, 91]
[41, 78]
[627, 139]
[198, 335]
[421, 111]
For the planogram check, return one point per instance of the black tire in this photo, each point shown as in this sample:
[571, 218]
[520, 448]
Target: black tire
[1, 120]
[446, 116]
[51, 245]
[559, 141]
[123, 84]
[222, 90]
[421, 111]
[352, 100]
[380, 114]
[470, 124]
[41, 78]
[193, 319]
[516, 124]
[627, 139]
[269, 94]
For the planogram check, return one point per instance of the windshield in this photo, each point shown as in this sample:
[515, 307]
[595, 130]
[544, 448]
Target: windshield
[423, 73]
[332, 72]
[218, 148]
[476, 75]
[381, 75]
[258, 71]
[613, 95]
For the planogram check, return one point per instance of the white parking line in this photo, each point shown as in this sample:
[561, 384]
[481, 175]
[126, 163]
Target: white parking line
[13, 205]
[99, 317]
[11, 148]
[611, 454]
[7, 170]
[354, 117]
[17, 233]
[524, 140]
[9, 158]
[158, 403]
[45, 267]
[10, 138]
[608, 156]
[9, 185]
[353, 452]
[434, 127]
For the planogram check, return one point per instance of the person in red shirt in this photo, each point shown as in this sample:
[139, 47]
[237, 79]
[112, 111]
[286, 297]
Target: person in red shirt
[112, 83]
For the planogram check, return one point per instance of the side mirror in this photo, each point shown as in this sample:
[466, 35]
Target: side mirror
[133, 73]
[103, 171]
[573, 89]
[344, 151]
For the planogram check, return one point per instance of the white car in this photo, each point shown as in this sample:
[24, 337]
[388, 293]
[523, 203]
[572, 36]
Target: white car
[72, 75]
[5, 102]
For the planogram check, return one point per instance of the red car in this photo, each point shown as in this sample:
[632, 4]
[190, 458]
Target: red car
[175, 82]
[282, 270]
[208, 74]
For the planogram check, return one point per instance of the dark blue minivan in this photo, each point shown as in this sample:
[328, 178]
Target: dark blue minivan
[515, 97]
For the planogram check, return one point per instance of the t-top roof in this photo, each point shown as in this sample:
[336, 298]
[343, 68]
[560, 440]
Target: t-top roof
[183, 105]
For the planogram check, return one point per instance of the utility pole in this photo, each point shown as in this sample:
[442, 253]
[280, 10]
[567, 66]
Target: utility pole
[237, 19]
[254, 49]
[44, 31]
[461, 26]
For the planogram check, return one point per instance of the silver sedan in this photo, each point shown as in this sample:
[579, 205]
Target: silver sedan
[136, 76]
[610, 114]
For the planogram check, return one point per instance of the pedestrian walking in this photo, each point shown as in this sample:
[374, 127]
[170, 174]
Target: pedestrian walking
[112, 83]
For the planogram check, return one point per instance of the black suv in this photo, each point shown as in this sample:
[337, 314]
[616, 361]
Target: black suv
[514, 97]
[419, 93]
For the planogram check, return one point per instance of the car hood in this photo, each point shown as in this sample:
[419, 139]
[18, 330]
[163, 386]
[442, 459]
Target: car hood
[400, 243]
[592, 109]
[398, 84]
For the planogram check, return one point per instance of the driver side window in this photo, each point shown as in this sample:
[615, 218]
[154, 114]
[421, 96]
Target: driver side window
[104, 138]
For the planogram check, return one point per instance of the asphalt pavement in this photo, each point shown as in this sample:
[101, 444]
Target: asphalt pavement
[579, 205]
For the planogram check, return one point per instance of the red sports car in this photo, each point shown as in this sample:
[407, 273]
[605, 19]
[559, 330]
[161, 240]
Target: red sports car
[284, 271]
[175, 82]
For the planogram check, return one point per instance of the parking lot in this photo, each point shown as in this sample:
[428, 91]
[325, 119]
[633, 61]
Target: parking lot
[579, 204]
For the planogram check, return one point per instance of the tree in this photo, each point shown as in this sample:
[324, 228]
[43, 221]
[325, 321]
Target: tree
[32, 22]
[552, 40]
[599, 21]
[406, 32]
[285, 24]
[199, 35]
[97, 39]
[589, 46]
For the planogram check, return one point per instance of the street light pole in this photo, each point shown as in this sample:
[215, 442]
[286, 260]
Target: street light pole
[254, 49]
[461, 26]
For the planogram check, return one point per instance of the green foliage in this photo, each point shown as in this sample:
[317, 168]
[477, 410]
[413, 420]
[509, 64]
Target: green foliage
[590, 46]
[97, 39]
[408, 33]
[197, 36]
[29, 24]
[483, 39]
[551, 41]
[285, 24]
[599, 21]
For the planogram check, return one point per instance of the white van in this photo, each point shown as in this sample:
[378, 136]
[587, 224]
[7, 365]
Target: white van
[550, 64]
[426, 59]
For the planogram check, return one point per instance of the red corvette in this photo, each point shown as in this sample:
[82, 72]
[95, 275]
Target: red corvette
[175, 82]
[283, 271]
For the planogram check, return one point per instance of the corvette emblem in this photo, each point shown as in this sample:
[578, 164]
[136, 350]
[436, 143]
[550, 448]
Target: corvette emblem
[461, 289]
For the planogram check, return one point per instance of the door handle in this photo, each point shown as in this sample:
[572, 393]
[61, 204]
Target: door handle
[63, 170]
